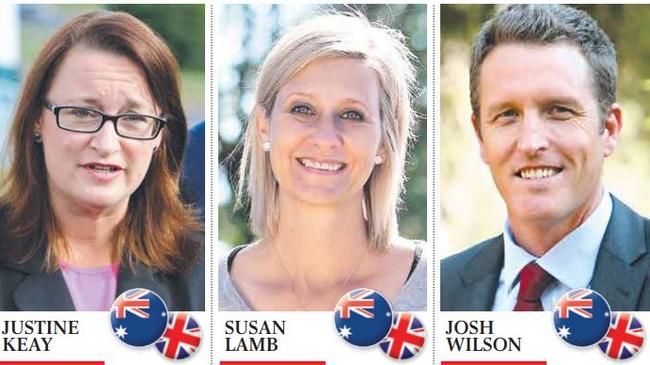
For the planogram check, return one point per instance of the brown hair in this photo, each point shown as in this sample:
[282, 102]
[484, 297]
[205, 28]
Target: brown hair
[156, 228]
[546, 24]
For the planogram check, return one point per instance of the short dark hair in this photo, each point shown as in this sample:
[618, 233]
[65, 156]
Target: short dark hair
[547, 24]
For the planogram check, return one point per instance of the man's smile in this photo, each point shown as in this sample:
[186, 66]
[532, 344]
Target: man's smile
[541, 172]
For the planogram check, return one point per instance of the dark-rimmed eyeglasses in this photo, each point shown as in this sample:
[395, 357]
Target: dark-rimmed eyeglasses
[87, 120]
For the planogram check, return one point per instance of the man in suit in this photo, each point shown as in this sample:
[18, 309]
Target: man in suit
[543, 88]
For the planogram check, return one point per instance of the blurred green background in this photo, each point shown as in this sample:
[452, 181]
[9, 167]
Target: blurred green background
[472, 209]
[245, 35]
[181, 26]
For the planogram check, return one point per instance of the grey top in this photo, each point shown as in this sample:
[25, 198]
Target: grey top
[412, 296]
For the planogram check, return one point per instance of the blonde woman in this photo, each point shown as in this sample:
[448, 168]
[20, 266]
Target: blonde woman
[323, 167]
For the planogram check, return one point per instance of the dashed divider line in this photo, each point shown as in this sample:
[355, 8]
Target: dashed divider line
[212, 231]
[433, 181]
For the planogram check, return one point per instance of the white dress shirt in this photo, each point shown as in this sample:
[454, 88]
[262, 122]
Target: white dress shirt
[571, 261]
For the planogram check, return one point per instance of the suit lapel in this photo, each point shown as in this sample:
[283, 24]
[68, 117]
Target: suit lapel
[43, 292]
[615, 275]
[40, 291]
[141, 277]
[481, 276]
[49, 292]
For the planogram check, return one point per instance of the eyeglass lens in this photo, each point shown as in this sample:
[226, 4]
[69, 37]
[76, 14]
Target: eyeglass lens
[86, 120]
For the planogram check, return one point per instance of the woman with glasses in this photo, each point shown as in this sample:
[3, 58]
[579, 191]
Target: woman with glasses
[323, 166]
[89, 205]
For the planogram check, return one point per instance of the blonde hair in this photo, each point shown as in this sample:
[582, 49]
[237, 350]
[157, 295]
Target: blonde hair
[340, 35]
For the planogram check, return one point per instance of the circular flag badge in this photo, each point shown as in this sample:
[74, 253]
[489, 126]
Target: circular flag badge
[138, 317]
[181, 338]
[581, 317]
[624, 338]
[363, 317]
[405, 338]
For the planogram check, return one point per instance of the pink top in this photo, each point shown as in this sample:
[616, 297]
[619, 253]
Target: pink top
[91, 289]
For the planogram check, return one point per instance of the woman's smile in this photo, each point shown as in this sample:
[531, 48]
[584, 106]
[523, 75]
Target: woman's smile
[322, 166]
[325, 131]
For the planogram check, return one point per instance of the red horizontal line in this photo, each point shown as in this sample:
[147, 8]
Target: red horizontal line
[272, 363]
[493, 363]
[51, 363]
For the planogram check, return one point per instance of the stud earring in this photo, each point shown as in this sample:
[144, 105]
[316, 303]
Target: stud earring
[378, 160]
[266, 146]
[37, 137]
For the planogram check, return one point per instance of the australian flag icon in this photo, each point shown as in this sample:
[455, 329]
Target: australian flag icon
[581, 317]
[363, 317]
[138, 317]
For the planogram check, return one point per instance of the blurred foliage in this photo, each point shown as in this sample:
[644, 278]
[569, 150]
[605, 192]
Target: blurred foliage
[181, 26]
[237, 82]
[472, 209]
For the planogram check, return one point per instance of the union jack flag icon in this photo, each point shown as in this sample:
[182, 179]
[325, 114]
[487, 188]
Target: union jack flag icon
[181, 338]
[624, 338]
[138, 317]
[581, 317]
[405, 338]
[363, 317]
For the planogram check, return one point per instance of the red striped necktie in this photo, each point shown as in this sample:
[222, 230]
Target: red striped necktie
[532, 282]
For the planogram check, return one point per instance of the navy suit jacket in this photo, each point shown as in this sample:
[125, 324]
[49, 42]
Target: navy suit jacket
[469, 279]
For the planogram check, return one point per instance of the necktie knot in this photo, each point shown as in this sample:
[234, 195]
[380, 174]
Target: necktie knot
[533, 280]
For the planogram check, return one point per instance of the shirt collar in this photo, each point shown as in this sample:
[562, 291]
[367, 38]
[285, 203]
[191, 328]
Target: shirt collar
[583, 243]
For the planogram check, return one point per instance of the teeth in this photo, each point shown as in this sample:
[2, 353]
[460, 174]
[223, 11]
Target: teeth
[539, 173]
[326, 166]
[103, 168]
